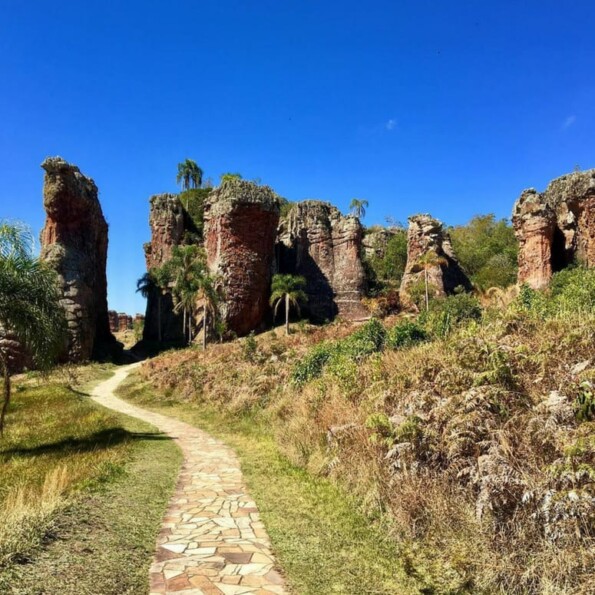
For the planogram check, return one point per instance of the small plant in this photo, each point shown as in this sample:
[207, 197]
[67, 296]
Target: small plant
[382, 429]
[405, 334]
[250, 348]
[584, 404]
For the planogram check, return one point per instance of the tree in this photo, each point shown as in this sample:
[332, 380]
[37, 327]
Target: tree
[208, 299]
[288, 289]
[154, 281]
[30, 309]
[358, 207]
[429, 260]
[189, 174]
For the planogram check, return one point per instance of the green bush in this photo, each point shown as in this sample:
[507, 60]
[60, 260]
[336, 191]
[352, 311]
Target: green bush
[447, 313]
[573, 291]
[405, 334]
[312, 365]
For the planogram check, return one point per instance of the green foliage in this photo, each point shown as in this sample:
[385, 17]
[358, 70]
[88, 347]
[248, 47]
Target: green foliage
[386, 267]
[448, 312]
[487, 250]
[287, 289]
[573, 291]
[584, 404]
[340, 355]
[405, 334]
[189, 174]
[250, 348]
[226, 177]
[286, 206]
[138, 327]
[410, 430]
[358, 207]
[382, 429]
[193, 201]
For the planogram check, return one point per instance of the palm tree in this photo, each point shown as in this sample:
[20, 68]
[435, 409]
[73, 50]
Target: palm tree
[288, 289]
[208, 299]
[30, 309]
[153, 282]
[429, 260]
[189, 175]
[358, 207]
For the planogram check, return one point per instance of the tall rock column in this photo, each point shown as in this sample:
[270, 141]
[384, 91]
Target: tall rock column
[426, 234]
[74, 243]
[166, 219]
[240, 227]
[555, 227]
[316, 241]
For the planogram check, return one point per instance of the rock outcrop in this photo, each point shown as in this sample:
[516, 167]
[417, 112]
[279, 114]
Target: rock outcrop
[427, 235]
[124, 322]
[166, 219]
[74, 243]
[114, 323]
[240, 227]
[375, 241]
[556, 227]
[316, 241]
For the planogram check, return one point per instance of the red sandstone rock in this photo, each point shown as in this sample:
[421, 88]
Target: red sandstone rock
[427, 234]
[166, 219]
[317, 242]
[74, 243]
[240, 227]
[555, 227]
[114, 324]
[124, 322]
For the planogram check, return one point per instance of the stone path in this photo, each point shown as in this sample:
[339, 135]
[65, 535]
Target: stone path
[212, 540]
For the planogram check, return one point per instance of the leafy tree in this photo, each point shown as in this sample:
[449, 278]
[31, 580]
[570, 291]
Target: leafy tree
[487, 250]
[30, 307]
[288, 289]
[193, 201]
[189, 174]
[358, 207]
[429, 260]
[386, 268]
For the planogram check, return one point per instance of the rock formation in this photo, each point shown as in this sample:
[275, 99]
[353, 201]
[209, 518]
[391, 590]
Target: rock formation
[317, 242]
[74, 243]
[114, 323]
[426, 234]
[124, 322]
[240, 227]
[166, 219]
[376, 240]
[18, 359]
[555, 227]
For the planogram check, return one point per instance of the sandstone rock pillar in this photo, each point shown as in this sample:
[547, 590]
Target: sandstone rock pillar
[240, 226]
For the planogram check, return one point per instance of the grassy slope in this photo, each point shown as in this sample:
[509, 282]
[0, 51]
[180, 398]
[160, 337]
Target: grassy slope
[83, 492]
[321, 541]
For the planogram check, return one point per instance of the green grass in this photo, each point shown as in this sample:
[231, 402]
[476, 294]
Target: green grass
[323, 544]
[83, 491]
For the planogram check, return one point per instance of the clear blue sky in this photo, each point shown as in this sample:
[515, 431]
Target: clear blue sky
[444, 107]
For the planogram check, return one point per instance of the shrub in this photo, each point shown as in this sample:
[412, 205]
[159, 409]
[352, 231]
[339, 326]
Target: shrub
[405, 334]
[313, 363]
[573, 291]
[447, 313]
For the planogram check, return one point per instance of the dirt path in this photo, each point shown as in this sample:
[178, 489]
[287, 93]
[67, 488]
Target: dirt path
[212, 540]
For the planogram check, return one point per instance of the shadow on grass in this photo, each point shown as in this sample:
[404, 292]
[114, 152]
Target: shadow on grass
[97, 441]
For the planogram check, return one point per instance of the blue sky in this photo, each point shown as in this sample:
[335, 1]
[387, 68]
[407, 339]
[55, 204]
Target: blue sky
[451, 108]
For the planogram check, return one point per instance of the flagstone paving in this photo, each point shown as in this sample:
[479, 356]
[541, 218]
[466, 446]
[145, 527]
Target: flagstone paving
[212, 540]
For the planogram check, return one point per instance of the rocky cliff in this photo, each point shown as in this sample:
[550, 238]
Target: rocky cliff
[74, 243]
[166, 219]
[314, 240]
[240, 227]
[427, 235]
[556, 227]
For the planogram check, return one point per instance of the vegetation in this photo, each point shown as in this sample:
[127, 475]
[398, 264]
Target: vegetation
[189, 174]
[487, 250]
[230, 176]
[30, 310]
[466, 434]
[358, 207]
[386, 266]
[428, 261]
[287, 290]
[320, 539]
[83, 490]
[193, 201]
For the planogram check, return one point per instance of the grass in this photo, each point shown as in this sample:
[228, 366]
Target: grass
[83, 490]
[320, 539]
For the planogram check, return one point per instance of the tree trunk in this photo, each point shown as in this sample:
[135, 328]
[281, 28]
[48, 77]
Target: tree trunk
[189, 328]
[287, 314]
[7, 387]
[427, 296]
[204, 329]
[184, 322]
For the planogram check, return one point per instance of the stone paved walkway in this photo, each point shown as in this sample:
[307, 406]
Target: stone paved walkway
[212, 540]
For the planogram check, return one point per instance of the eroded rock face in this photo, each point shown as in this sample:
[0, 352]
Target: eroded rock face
[316, 241]
[114, 323]
[427, 235]
[555, 227]
[166, 219]
[74, 243]
[240, 227]
[17, 358]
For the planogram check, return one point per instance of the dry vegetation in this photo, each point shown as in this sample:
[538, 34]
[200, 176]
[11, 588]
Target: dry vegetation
[477, 442]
